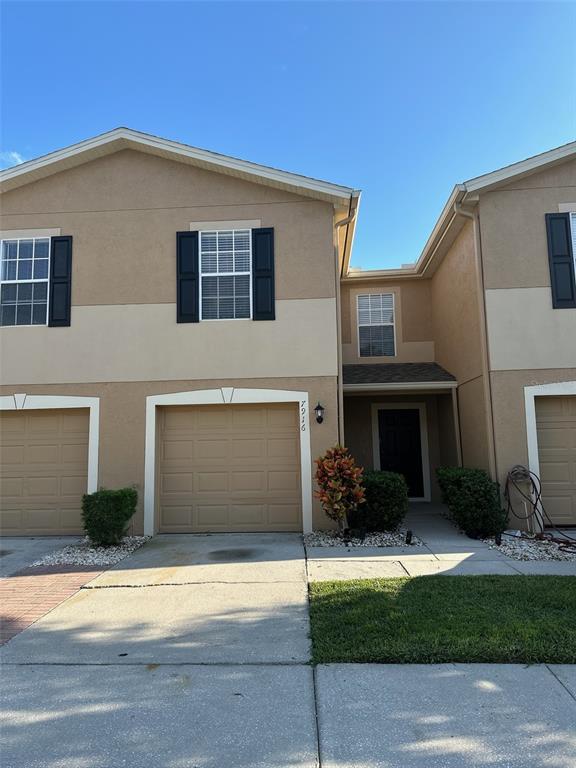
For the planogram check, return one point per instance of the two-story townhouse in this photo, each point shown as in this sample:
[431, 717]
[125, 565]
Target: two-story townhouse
[169, 320]
[171, 317]
[488, 314]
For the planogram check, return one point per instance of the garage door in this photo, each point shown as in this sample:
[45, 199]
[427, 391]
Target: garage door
[556, 424]
[229, 468]
[43, 471]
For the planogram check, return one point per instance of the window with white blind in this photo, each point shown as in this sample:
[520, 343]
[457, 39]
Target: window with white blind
[376, 325]
[226, 274]
[24, 281]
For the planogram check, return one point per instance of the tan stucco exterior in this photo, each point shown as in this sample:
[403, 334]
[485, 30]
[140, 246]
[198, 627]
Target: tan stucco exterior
[123, 413]
[478, 303]
[412, 321]
[124, 344]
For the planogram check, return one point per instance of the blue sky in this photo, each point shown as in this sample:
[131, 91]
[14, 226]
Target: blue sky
[401, 100]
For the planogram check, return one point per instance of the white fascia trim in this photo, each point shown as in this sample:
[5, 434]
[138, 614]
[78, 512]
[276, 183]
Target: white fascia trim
[523, 167]
[183, 150]
[227, 396]
[404, 385]
[424, 449]
[530, 395]
[23, 402]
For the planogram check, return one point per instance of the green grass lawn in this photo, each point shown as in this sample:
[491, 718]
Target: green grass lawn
[430, 619]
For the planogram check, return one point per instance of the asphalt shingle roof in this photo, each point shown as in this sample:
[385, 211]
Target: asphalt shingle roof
[395, 373]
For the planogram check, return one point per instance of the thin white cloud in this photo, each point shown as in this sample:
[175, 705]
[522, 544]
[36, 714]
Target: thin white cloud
[8, 159]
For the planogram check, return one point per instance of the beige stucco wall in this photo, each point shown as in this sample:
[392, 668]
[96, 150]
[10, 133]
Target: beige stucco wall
[513, 227]
[456, 315]
[440, 423]
[526, 332]
[135, 342]
[509, 412]
[412, 320]
[123, 211]
[529, 342]
[122, 421]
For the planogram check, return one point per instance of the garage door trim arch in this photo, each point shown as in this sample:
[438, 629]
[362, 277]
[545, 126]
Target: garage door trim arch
[227, 396]
[24, 402]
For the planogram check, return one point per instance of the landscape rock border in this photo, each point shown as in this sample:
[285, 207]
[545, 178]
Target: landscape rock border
[84, 553]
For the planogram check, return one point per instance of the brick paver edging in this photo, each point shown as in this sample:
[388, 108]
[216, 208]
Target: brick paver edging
[31, 593]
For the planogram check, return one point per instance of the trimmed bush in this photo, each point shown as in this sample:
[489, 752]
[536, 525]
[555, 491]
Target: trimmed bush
[106, 514]
[473, 500]
[340, 488]
[386, 502]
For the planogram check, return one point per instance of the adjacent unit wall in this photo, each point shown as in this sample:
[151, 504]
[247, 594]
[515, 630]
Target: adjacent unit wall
[456, 313]
[530, 342]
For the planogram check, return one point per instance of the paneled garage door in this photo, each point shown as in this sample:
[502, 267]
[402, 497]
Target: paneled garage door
[43, 471]
[229, 468]
[556, 424]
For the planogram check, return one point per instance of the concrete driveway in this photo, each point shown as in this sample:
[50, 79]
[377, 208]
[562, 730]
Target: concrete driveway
[18, 552]
[195, 650]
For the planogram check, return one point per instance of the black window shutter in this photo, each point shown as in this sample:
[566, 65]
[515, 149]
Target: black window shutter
[561, 260]
[263, 301]
[60, 290]
[187, 278]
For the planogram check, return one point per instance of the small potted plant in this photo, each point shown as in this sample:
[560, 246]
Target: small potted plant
[340, 490]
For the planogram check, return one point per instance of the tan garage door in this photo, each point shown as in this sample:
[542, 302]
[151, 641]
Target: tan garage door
[43, 471]
[556, 424]
[229, 468]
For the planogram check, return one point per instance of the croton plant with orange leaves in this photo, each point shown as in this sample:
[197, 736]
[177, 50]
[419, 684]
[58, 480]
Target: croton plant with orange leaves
[340, 488]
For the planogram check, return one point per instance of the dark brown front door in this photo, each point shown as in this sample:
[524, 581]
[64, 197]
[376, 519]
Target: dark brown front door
[401, 446]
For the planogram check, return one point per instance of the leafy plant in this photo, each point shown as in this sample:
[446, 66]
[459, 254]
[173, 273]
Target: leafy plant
[386, 502]
[340, 488]
[473, 500]
[106, 514]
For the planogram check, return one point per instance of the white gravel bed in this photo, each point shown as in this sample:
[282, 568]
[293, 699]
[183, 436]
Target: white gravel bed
[528, 548]
[85, 553]
[384, 539]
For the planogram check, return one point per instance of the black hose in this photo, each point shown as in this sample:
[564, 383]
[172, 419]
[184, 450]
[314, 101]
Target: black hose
[536, 510]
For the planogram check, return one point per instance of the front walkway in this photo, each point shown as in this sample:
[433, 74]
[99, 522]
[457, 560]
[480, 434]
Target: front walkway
[445, 551]
[195, 652]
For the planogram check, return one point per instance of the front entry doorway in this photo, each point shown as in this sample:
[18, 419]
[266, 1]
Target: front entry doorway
[401, 445]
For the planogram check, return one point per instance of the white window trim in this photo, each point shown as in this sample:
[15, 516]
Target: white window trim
[393, 324]
[46, 279]
[223, 274]
[226, 396]
[24, 402]
[530, 395]
[424, 445]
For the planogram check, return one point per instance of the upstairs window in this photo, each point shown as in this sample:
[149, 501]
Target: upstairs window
[376, 325]
[226, 274]
[24, 281]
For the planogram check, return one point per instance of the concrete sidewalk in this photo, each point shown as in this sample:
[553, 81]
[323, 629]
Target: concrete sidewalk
[195, 652]
[445, 551]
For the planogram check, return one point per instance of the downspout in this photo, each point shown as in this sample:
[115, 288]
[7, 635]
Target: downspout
[338, 274]
[474, 217]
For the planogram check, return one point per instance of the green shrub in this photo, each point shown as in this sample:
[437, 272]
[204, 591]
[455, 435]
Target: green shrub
[473, 500]
[106, 514]
[386, 502]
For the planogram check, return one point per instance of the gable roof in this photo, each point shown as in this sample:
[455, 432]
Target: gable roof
[451, 222]
[126, 138]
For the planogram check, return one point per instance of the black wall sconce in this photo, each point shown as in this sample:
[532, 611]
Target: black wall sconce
[319, 411]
